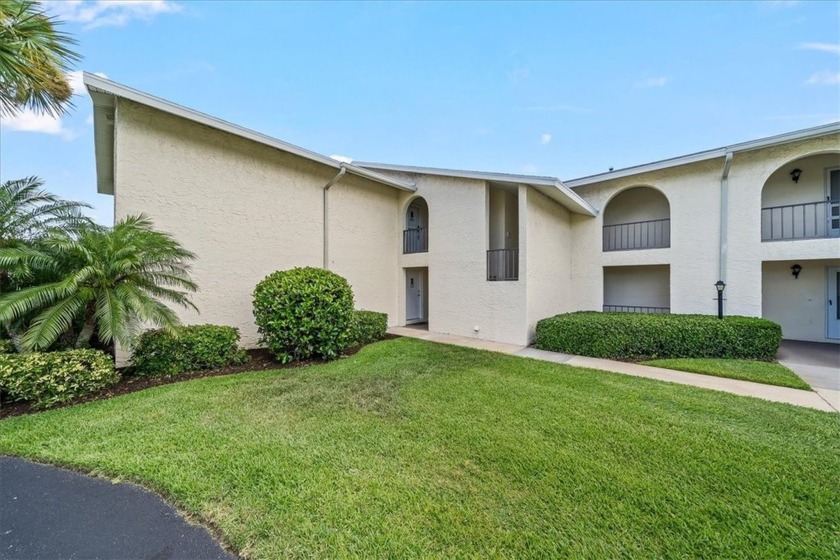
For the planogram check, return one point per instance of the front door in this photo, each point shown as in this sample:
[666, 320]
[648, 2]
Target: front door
[414, 296]
[832, 303]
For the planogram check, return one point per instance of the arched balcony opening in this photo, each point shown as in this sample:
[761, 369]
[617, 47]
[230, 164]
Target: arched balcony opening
[416, 232]
[801, 199]
[637, 218]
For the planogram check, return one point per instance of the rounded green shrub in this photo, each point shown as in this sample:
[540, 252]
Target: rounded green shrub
[303, 313]
[192, 348]
[366, 327]
[637, 336]
[48, 378]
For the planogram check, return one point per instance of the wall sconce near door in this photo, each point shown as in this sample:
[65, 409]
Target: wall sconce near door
[795, 270]
[795, 175]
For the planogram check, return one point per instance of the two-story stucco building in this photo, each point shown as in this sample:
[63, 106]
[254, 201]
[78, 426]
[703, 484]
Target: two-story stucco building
[483, 254]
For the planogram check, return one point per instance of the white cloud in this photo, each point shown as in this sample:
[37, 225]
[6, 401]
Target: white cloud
[658, 81]
[102, 13]
[30, 121]
[832, 48]
[826, 77]
[342, 159]
[545, 138]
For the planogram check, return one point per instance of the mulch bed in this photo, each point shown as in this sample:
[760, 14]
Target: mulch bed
[261, 359]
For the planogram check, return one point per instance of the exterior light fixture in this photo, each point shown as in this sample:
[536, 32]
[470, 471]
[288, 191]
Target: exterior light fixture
[795, 175]
[720, 286]
[795, 270]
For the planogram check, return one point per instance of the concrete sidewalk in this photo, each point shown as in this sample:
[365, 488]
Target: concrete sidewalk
[798, 397]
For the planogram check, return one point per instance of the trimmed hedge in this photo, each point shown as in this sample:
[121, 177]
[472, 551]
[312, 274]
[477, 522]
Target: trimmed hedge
[191, 348]
[636, 336]
[48, 378]
[303, 313]
[366, 327]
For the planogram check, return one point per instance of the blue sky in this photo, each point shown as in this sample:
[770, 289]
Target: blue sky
[563, 89]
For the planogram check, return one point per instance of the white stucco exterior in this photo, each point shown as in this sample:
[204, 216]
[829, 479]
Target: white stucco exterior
[248, 206]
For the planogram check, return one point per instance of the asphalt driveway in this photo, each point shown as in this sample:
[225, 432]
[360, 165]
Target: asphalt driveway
[52, 513]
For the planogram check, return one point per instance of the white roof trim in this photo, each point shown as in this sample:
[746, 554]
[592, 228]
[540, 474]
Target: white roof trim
[550, 186]
[97, 86]
[709, 154]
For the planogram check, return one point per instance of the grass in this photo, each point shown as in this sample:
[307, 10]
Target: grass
[747, 370]
[415, 449]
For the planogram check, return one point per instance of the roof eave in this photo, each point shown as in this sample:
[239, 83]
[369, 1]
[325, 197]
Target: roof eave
[100, 88]
[776, 140]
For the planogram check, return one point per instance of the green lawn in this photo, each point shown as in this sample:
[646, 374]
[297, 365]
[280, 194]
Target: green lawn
[414, 449]
[748, 370]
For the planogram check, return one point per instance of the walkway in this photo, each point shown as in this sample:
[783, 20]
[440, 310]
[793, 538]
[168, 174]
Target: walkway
[47, 512]
[817, 363]
[796, 397]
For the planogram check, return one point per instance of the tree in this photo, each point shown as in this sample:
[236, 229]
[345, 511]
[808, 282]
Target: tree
[114, 280]
[27, 214]
[34, 60]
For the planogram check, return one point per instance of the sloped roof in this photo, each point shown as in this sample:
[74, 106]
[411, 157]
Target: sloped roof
[104, 92]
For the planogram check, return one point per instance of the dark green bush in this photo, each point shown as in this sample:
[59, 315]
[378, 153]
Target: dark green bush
[303, 313]
[639, 336]
[366, 327]
[48, 378]
[190, 348]
[6, 347]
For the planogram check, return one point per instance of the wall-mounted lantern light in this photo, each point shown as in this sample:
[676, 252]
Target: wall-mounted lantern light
[795, 175]
[720, 286]
[795, 270]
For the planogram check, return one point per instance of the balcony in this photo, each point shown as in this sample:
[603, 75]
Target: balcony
[416, 240]
[503, 264]
[635, 309]
[809, 220]
[649, 234]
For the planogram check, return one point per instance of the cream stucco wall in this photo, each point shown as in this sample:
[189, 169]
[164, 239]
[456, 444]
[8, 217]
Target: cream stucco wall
[459, 296]
[247, 210]
[548, 252]
[693, 191]
[797, 304]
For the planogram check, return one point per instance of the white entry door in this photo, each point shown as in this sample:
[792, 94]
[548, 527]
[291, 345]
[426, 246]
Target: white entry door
[833, 305]
[414, 304]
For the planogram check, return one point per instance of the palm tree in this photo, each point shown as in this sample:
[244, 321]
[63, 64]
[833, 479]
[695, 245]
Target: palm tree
[34, 59]
[27, 211]
[115, 281]
[27, 214]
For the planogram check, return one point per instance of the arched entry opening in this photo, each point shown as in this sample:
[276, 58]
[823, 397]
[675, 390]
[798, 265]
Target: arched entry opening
[416, 233]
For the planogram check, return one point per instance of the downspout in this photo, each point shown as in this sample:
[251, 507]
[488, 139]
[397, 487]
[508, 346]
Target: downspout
[724, 217]
[341, 171]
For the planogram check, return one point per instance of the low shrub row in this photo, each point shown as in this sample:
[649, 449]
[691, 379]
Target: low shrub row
[366, 327]
[6, 347]
[48, 378]
[192, 348]
[640, 336]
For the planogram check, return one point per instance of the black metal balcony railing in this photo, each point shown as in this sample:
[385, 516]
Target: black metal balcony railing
[416, 240]
[808, 220]
[650, 234]
[635, 309]
[503, 264]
